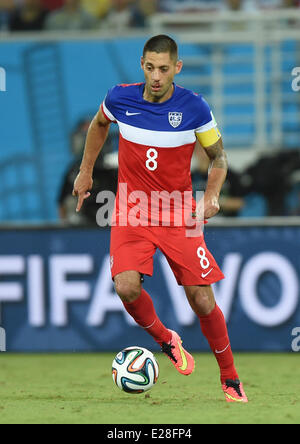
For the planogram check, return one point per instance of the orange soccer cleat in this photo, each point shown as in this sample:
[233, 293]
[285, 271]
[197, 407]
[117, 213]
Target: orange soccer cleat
[233, 391]
[180, 358]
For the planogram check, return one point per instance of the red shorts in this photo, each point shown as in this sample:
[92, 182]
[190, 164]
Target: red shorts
[132, 248]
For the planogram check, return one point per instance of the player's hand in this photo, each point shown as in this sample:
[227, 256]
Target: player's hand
[206, 208]
[211, 206]
[83, 183]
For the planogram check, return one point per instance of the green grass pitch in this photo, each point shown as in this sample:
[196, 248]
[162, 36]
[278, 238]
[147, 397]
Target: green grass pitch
[78, 388]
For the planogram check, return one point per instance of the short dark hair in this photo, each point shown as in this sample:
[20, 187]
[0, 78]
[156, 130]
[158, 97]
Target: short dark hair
[162, 43]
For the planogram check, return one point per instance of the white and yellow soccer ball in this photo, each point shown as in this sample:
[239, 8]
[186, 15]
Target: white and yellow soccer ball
[135, 370]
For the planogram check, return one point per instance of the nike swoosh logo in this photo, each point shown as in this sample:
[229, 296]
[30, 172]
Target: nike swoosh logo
[183, 357]
[233, 398]
[131, 114]
[203, 275]
[221, 351]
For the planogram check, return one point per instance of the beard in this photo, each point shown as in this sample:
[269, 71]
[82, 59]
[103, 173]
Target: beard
[156, 96]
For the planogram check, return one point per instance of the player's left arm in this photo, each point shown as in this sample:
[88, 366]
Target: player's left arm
[210, 139]
[217, 172]
[212, 143]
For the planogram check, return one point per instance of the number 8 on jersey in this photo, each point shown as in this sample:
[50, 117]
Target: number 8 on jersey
[151, 162]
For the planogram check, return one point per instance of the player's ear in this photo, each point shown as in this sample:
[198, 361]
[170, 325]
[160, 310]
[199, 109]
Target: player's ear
[179, 65]
[142, 62]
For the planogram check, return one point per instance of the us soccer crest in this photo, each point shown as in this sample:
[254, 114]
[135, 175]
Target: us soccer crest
[175, 119]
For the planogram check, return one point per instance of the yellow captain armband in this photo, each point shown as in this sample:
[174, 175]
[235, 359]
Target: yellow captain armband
[209, 137]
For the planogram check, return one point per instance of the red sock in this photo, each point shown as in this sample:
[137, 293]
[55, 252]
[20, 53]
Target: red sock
[215, 330]
[143, 312]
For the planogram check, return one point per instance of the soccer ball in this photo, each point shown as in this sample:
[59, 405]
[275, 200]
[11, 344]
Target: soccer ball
[135, 370]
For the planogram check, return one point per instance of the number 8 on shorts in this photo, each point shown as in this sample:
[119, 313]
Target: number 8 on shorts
[204, 262]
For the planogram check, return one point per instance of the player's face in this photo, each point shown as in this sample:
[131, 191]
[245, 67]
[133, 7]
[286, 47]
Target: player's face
[159, 70]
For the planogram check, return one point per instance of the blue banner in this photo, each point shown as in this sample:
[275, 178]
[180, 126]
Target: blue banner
[56, 291]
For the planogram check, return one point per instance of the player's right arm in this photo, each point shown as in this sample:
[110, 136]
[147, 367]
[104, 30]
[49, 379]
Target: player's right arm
[96, 136]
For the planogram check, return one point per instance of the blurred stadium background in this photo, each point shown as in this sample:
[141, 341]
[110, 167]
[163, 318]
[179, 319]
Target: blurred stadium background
[58, 60]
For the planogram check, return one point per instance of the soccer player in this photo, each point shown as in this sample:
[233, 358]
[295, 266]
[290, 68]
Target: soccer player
[159, 123]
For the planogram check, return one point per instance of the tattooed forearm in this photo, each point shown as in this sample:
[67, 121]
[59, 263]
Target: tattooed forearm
[217, 155]
[217, 170]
